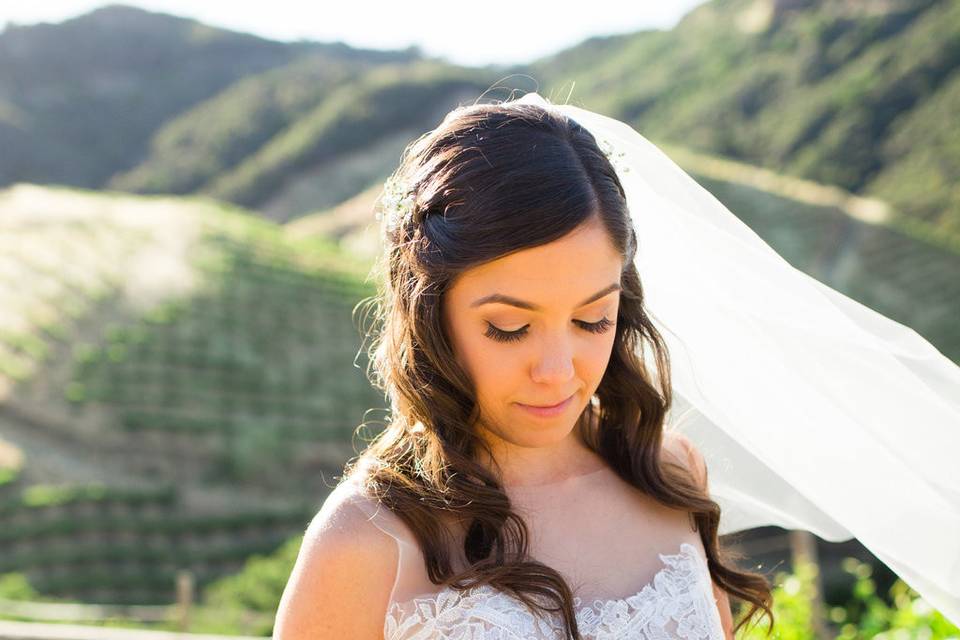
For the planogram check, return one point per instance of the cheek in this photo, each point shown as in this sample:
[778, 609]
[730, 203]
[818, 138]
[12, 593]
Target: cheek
[493, 371]
[483, 363]
[607, 352]
[593, 363]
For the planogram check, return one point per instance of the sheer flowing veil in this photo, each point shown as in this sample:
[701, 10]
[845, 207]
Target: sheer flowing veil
[812, 410]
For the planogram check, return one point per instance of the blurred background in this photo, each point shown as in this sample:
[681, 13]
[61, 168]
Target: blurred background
[186, 228]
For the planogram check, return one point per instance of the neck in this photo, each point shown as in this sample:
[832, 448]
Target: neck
[525, 466]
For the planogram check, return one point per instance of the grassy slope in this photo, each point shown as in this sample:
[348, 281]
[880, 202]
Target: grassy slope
[837, 99]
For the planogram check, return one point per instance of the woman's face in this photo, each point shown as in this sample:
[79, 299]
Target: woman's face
[547, 336]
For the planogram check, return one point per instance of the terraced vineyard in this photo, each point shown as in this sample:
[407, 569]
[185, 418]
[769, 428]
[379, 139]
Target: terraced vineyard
[125, 546]
[183, 382]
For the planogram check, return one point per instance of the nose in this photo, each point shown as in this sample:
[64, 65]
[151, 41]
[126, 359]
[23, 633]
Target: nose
[554, 363]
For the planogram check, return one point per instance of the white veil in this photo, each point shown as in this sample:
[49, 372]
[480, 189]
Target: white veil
[812, 411]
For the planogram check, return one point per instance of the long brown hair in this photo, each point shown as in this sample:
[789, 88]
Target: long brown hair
[490, 180]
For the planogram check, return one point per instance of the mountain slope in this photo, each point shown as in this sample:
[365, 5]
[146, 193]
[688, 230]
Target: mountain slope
[855, 93]
[79, 100]
[839, 92]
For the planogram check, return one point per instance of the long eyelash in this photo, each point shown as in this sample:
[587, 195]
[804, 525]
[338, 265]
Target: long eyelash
[512, 336]
[596, 327]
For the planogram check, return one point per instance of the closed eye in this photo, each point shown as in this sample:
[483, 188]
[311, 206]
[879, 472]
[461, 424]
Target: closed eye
[512, 336]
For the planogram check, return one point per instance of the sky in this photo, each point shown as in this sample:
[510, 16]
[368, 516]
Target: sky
[513, 37]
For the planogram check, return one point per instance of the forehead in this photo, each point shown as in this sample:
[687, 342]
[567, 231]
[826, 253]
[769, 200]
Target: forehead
[557, 273]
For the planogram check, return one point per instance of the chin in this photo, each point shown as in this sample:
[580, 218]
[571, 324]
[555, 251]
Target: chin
[542, 439]
[535, 432]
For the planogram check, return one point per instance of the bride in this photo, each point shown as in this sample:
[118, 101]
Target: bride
[531, 483]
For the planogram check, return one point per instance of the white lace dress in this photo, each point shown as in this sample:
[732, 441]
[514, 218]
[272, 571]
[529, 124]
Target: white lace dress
[637, 570]
[678, 603]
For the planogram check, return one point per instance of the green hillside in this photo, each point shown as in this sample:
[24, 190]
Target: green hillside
[357, 116]
[160, 344]
[80, 100]
[215, 135]
[856, 94]
[852, 94]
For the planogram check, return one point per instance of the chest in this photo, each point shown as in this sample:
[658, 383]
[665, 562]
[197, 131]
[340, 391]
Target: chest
[606, 543]
[637, 570]
[676, 603]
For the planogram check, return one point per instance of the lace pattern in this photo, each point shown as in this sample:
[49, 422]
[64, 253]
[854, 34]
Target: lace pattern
[677, 603]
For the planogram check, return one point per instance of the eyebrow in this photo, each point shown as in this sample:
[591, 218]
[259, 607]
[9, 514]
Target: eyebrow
[505, 299]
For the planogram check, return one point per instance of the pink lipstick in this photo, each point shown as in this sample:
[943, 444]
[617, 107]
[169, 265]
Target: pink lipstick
[547, 412]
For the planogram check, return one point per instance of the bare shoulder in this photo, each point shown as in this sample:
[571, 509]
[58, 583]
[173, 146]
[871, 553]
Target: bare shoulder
[682, 451]
[341, 581]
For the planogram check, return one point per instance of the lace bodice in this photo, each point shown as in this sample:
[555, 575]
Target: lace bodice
[678, 603]
[637, 569]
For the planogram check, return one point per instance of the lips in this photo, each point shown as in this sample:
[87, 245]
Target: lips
[549, 411]
[547, 406]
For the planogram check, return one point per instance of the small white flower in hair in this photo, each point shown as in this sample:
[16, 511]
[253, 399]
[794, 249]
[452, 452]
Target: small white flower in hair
[397, 200]
[615, 157]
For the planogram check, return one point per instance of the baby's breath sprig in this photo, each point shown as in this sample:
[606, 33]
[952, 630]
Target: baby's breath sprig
[397, 200]
[615, 157]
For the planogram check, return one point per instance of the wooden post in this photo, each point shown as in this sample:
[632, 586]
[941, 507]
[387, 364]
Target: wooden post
[803, 547]
[184, 598]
